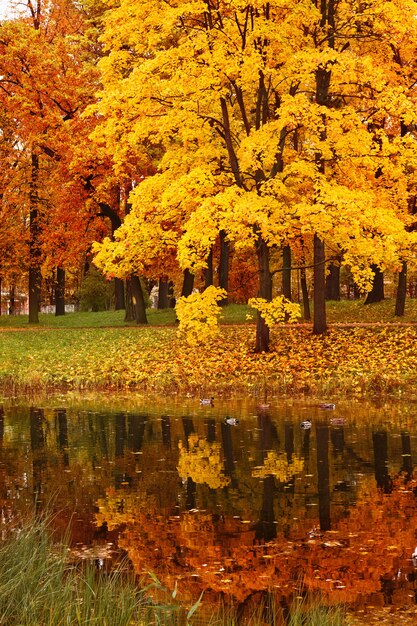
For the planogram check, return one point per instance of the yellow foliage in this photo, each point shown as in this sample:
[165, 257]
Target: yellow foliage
[202, 462]
[277, 311]
[198, 315]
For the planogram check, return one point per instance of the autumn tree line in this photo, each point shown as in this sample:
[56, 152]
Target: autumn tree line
[209, 145]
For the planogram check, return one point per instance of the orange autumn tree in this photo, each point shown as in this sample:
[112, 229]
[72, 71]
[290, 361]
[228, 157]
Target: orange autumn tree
[67, 186]
[42, 88]
[261, 114]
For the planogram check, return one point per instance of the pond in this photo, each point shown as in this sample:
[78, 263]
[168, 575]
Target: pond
[232, 498]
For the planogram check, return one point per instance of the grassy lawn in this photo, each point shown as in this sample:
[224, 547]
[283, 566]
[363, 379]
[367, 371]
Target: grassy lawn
[99, 351]
[345, 311]
[232, 314]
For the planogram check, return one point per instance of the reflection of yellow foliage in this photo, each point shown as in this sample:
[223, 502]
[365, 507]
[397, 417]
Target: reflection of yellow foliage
[120, 507]
[277, 465]
[202, 462]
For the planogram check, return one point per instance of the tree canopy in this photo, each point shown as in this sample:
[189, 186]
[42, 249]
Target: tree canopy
[242, 128]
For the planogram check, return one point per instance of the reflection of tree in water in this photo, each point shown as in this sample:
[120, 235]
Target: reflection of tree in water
[251, 534]
[236, 557]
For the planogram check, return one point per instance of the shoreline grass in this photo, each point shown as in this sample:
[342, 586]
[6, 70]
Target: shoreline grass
[41, 584]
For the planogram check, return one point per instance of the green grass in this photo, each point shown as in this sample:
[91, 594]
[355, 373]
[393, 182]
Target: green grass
[232, 314]
[345, 311]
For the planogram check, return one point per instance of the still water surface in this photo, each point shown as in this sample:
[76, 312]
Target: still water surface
[231, 508]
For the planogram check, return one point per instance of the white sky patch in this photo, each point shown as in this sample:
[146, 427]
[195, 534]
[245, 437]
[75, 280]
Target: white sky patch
[5, 9]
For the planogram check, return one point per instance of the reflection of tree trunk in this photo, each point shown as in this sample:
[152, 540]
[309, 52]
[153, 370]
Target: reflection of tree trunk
[401, 291]
[323, 475]
[103, 437]
[407, 465]
[377, 292]
[229, 465]
[61, 417]
[135, 431]
[337, 436]
[1, 425]
[120, 434]
[60, 291]
[289, 450]
[211, 429]
[265, 528]
[289, 441]
[224, 266]
[188, 428]
[306, 444]
[37, 442]
[380, 443]
[191, 486]
[166, 430]
[190, 494]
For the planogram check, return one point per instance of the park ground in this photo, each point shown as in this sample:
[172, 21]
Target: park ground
[366, 352]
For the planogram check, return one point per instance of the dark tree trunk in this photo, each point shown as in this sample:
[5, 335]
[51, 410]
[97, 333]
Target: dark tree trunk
[34, 244]
[377, 292]
[119, 294]
[224, 266]
[265, 291]
[12, 301]
[286, 272]
[401, 291]
[60, 291]
[187, 284]
[138, 301]
[0, 296]
[304, 291]
[171, 296]
[208, 272]
[323, 79]
[319, 322]
[333, 283]
[130, 309]
[163, 290]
